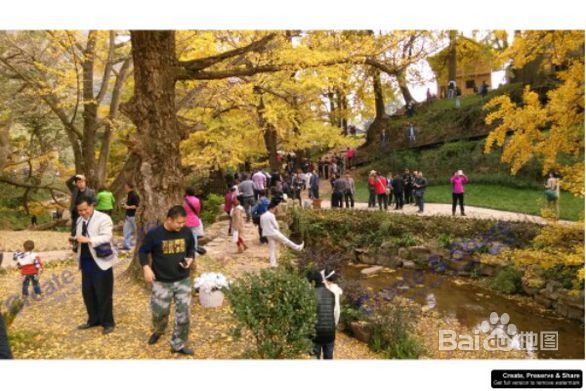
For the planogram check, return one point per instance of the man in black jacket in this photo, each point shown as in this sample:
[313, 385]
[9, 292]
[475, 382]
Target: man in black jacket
[4, 347]
[172, 249]
[325, 328]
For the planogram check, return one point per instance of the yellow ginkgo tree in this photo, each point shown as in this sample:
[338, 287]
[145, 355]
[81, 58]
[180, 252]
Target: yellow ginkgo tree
[550, 131]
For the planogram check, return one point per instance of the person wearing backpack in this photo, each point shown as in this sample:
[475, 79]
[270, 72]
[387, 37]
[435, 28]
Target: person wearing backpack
[192, 206]
[261, 206]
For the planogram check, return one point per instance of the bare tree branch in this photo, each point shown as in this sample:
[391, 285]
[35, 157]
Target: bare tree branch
[202, 63]
[107, 69]
[13, 182]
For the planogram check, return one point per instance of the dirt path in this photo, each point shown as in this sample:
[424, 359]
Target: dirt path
[47, 328]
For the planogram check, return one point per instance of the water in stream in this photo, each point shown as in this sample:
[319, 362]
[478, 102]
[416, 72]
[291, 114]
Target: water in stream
[472, 305]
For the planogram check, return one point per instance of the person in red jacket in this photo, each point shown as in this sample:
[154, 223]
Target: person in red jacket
[30, 266]
[380, 188]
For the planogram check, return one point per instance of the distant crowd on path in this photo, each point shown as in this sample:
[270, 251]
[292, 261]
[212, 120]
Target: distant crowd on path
[409, 187]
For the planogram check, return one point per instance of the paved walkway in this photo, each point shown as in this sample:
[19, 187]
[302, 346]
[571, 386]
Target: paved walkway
[472, 212]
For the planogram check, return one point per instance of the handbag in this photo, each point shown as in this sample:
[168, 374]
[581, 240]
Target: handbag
[104, 250]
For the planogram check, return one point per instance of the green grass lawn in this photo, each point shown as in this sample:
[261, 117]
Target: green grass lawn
[529, 201]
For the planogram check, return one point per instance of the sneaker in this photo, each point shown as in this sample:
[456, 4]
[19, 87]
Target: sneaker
[463, 214]
[184, 350]
[154, 338]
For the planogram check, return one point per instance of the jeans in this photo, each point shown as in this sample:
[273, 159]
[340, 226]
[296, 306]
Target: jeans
[128, 230]
[419, 200]
[455, 199]
[34, 278]
[327, 349]
[371, 198]
[247, 204]
[314, 193]
[194, 233]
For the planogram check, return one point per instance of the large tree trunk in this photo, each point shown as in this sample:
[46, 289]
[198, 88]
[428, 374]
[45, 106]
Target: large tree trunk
[402, 81]
[342, 110]
[452, 59]
[270, 135]
[4, 143]
[125, 175]
[152, 110]
[379, 101]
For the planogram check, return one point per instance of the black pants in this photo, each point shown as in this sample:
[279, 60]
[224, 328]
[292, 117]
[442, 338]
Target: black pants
[455, 199]
[326, 348]
[382, 199]
[349, 197]
[408, 195]
[371, 198]
[97, 286]
[74, 217]
[399, 200]
[337, 199]
[263, 239]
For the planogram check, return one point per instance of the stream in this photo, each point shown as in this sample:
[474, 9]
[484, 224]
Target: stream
[471, 305]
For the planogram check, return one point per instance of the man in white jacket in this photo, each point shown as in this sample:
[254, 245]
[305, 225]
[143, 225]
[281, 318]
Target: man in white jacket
[94, 229]
[270, 229]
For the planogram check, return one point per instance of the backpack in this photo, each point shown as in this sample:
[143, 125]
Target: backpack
[256, 212]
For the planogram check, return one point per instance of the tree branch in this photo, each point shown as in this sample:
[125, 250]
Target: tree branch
[107, 69]
[202, 63]
[30, 186]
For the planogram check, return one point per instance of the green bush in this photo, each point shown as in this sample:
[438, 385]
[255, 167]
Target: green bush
[211, 208]
[406, 240]
[508, 281]
[390, 331]
[445, 240]
[278, 309]
[343, 230]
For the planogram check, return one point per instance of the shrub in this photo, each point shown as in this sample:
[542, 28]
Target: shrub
[390, 331]
[406, 240]
[211, 208]
[508, 281]
[278, 309]
[445, 240]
